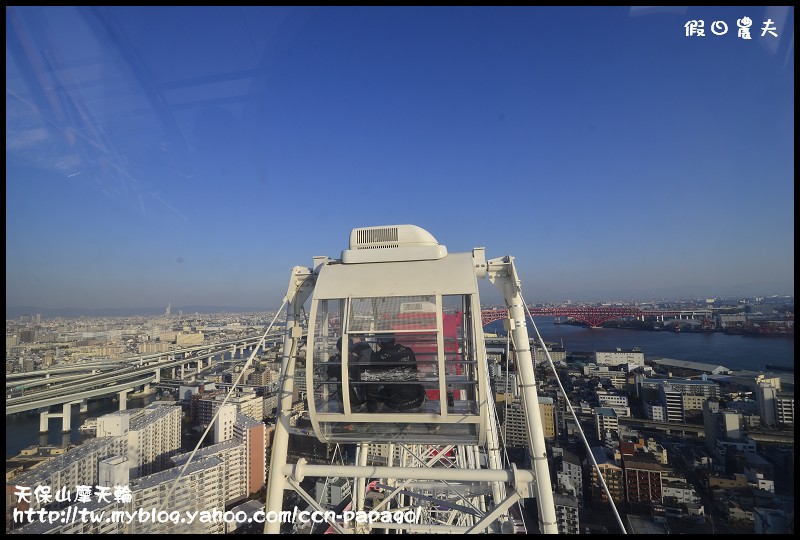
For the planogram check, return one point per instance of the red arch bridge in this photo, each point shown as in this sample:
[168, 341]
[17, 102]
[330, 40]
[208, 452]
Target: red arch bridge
[597, 315]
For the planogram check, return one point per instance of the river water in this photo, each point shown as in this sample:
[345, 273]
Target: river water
[731, 351]
[22, 430]
[734, 352]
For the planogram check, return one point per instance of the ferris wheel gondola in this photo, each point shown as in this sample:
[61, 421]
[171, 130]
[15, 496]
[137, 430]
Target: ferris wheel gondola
[394, 355]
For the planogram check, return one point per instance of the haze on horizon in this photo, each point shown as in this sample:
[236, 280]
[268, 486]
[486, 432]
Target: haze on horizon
[486, 300]
[202, 152]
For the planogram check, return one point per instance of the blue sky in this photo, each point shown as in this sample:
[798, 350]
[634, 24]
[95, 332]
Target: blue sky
[195, 155]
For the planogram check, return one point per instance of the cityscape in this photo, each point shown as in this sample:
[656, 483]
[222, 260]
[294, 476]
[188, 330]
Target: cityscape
[714, 446]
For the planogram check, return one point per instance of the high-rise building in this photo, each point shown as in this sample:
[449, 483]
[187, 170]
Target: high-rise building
[707, 388]
[79, 466]
[223, 424]
[619, 356]
[784, 408]
[672, 400]
[114, 471]
[232, 455]
[240, 442]
[606, 422]
[775, 407]
[152, 435]
[515, 427]
[614, 401]
[189, 339]
[612, 475]
[642, 478]
[201, 488]
[569, 474]
[253, 435]
[248, 404]
[710, 423]
[566, 514]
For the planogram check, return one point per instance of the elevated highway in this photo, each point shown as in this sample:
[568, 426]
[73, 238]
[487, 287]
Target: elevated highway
[139, 372]
[77, 368]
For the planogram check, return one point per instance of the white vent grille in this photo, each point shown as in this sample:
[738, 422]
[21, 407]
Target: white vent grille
[376, 236]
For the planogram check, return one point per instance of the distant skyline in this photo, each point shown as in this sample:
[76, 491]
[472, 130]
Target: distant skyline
[15, 312]
[194, 155]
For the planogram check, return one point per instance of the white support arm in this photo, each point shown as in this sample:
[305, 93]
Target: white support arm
[301, 284]
[503, 275]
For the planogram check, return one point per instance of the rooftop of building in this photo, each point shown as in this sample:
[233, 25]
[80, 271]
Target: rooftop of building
[152, 414]
[695, 366]
[207, 451]
[642, 460]
[247, 422]
[41, 471]
[693, 382]
[236, 398]
[565, 500]
[601, 456]
[605, 411]
[748, 377]
[115, 460]
[676, 484]
[644, 525]
[249, 507]
[170, 475]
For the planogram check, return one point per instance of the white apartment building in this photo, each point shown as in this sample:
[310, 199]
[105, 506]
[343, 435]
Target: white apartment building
[672, 399]
[655, 411]
[248, 404]
[145, 438]
[607, 398]
[330, 492]
[618, 378]
[382, 454]
[615, 401]
[605, 421]
[758, 480]
[200, 488]
[569, 476]
[153, 435]
[680, 492]
[80, 466]
[270, 403]
[566, 514]
[706, 388]
[775, 406]
[232, 454]
[223, 423]
[619, 356]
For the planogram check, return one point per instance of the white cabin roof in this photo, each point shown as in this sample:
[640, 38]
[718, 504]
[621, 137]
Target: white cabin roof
[452, 274]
